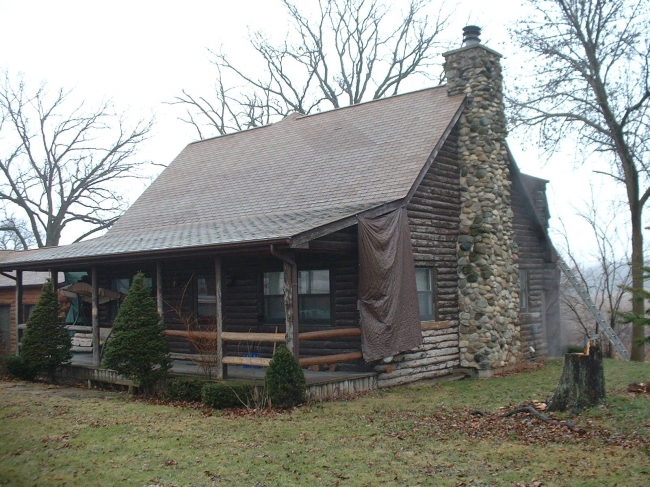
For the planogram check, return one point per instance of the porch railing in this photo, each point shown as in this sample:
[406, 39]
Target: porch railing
[272, 338]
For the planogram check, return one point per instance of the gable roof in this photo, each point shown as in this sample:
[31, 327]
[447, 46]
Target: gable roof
[278, 181]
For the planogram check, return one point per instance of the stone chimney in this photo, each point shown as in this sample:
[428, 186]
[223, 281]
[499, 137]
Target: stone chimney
[487, 252]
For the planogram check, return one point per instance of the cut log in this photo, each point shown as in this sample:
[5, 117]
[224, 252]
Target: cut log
[582, 384]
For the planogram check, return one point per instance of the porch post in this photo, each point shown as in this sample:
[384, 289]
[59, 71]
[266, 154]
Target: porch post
[19, 314]
[54, 279]
[159, 292]
[291, 306]
[222, 372]
[95, 316]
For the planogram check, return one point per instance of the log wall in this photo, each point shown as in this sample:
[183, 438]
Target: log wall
[434, 216]
[243, 297]
[534, 257]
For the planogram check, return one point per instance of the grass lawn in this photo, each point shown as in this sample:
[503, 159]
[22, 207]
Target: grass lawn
[421, 434]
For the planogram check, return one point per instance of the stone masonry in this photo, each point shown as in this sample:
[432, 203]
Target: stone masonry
[487, 252]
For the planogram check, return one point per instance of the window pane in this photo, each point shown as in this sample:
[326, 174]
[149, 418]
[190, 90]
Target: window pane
[320, 282]
[273, 283]
[314, 282]
[424, 285]
[121, 285]
[207, 299]
[423, 279]
[425, 302]
[316, 308]
[274, 307]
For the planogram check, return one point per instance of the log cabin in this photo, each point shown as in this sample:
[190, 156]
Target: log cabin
[396, 236]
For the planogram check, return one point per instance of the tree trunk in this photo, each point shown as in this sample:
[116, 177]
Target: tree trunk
[638, 305]
[582, 383]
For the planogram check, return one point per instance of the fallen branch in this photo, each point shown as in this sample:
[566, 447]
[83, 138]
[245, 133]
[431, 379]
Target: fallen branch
[532, 411]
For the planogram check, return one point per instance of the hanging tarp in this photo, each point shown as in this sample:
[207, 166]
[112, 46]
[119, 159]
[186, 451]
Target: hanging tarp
[75, 315]
[388, 301]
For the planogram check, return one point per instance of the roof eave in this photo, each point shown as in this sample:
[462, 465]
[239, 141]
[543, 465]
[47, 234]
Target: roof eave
[149, 255]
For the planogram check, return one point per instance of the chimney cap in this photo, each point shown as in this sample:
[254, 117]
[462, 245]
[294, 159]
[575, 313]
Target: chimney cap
[471, 35]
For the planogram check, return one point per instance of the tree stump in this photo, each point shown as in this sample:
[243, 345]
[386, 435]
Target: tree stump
[582, 384]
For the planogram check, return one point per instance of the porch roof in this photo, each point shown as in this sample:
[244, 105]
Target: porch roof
[278, 181]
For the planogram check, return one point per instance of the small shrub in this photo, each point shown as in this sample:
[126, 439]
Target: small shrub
[284, 380]
[184, 389]
[18, 367]
[220, 395]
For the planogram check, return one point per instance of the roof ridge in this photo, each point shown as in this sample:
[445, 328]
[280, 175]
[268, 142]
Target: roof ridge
[299, 116]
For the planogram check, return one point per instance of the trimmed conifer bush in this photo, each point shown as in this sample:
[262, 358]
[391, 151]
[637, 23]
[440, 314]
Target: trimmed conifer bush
[184, 389]
[231, 394]
[284, 380]
[138, 347]
[46, 345]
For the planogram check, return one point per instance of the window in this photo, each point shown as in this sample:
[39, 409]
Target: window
[523, 290]
[27, 311]
[207, 296]
[424, 285]
[274, 297]
[5, 327]
[313, 296]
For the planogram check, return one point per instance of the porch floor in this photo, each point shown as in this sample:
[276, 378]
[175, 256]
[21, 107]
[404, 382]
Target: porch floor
[320, 385]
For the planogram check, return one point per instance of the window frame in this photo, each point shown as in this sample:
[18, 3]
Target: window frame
[268, 297]
[301, 296]
[208, 299]
[432, 292]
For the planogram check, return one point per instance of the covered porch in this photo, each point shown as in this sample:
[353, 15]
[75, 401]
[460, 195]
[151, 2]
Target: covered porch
[229, 309]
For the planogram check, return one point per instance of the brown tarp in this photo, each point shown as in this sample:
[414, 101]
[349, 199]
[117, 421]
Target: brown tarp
[388, 301]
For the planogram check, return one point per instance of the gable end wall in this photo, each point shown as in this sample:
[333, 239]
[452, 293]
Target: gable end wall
[434, 216]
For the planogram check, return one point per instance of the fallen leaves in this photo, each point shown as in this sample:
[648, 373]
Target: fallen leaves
[639, 388]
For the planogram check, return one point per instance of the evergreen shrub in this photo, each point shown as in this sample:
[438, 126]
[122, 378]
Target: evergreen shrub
[46, 345]
[184, 389]
[17, 367]
[231, 394]
[138, 347]
[284, 380]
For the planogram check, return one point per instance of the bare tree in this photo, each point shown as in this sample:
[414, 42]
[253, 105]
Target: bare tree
[605, 280]
[592, 81]
[350, 52]
[61, 164]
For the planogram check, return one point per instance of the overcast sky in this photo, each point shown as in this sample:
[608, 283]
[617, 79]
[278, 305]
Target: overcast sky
[142, 53]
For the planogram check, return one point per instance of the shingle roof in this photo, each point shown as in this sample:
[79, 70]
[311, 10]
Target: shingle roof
[279, 180]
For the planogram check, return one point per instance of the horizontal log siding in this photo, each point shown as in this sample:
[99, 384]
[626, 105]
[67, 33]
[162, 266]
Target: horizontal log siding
[533, 256]
[243, 302]
[31, 295]
[434, 216]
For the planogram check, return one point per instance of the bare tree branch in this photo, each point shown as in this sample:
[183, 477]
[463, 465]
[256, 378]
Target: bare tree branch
[62, 163]
[350, 51]
[592, 83]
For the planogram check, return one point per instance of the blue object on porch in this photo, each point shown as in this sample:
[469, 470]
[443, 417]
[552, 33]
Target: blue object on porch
[252, 354]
